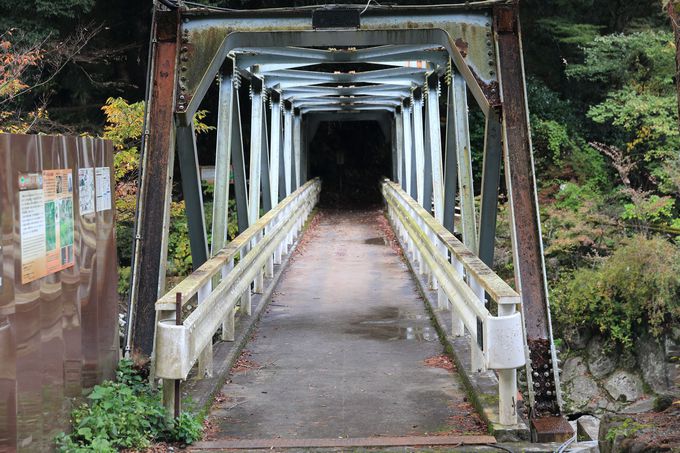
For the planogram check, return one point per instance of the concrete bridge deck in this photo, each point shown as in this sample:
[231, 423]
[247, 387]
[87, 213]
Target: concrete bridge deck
[343, 348]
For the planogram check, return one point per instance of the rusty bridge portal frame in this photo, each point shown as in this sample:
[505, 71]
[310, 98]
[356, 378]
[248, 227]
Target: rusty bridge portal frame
[308, 65]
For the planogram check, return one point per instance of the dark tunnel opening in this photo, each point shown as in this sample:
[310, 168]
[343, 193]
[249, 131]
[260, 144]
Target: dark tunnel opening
[351, 158]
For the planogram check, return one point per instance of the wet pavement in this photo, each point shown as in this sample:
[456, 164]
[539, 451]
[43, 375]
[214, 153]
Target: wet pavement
[340, 351]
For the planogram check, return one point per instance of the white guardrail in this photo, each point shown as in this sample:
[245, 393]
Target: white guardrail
[463, 282]
[180, 344]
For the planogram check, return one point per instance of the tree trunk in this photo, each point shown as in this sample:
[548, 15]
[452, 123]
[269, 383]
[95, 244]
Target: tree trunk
[673, 8]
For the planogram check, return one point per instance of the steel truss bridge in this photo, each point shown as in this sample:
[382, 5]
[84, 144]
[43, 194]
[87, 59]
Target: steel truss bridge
[410, 68]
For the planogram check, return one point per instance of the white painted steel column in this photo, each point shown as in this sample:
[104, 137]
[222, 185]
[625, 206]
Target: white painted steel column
[220, 220]
[465, 180]
[288, 147]
[275, 150]
[435, 150]
[256, 123]
[297, 131]
[467, 196]
[399, 137]
[408, 144]
[419, 140]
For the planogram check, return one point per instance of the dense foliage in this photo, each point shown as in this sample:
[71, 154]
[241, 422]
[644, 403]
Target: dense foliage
[606, 140]
[126, 413]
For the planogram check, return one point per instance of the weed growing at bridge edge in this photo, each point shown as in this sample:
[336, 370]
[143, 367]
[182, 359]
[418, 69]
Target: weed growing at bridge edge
[126, 413]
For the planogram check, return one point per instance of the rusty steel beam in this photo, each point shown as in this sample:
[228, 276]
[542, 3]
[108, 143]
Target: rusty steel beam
[152, 212]
[530, 272]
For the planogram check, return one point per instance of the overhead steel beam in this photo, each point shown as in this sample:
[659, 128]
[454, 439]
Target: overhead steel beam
[347, 95]
[348, 109]
[358, 101]
[282, 58]
[321, 91]
[197, 83]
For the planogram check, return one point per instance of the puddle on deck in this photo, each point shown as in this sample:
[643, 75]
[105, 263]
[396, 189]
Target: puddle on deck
[375, 241]
[393, 323]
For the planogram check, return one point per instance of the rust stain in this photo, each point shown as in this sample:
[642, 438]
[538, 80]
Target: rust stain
[462, 46]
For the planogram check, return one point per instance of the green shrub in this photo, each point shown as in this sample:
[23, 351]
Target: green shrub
[637, 288]
[627, 428]
[123, 281]
[125, 414]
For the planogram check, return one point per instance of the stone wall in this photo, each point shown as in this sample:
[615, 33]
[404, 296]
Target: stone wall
[599, 378]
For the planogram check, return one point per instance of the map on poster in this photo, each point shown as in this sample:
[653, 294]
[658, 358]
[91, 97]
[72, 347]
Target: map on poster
[86, 190]
[103, 182]
[58, 188]
[46, 222]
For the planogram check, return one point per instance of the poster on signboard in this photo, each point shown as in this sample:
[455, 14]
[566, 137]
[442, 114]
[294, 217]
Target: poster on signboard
[86, 190]
[32, 228]
[59, 223]
[103, 182]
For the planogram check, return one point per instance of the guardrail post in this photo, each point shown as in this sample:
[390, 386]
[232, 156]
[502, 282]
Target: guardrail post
[507, 384]
[246, 299]
[422, 268]
[431, 279]
[205, 360]
[442, 300]
[457, 326]
[269, 267]
[279, 246]
[229, 322]
[171, 396]
[259, 279]
[478, 362]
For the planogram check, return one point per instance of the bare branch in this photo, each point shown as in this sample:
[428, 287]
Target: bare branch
[623, 164]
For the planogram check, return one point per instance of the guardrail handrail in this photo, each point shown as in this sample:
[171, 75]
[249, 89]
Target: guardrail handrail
[207, 271]
[180, 343]
[463, 282]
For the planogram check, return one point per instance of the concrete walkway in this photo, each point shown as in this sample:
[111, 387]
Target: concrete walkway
[341, 350]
